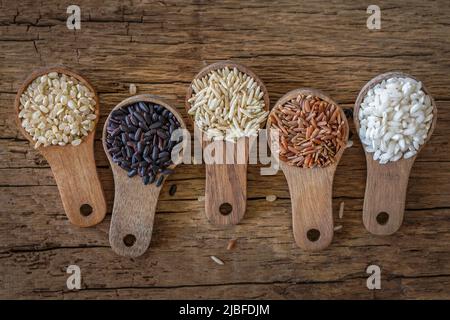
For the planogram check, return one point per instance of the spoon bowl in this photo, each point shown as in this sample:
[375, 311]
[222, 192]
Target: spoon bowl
[220, 65]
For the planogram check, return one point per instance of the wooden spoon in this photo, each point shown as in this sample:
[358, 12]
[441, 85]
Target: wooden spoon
[384, 199]
[226, 184]
[73, 167]
[134, 203]
[311, 189]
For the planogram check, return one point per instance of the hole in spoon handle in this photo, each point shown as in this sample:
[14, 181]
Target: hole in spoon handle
[385, 195]
[225, 208]
[313, 235]
[129, 240]
[225, 193]
[86, 210]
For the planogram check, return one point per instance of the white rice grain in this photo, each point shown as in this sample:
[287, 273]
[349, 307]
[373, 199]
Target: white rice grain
[395, 117]
[217, 260]
[133, 89]
[341, 210]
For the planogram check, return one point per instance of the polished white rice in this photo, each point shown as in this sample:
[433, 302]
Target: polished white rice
[395, 117]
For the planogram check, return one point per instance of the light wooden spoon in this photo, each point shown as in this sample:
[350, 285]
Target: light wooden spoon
[226, 184]
[73, 167]
[311, 189]
[386, 185]
[134, 203]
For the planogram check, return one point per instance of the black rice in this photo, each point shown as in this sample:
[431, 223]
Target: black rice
[138, 140]
[173, 189]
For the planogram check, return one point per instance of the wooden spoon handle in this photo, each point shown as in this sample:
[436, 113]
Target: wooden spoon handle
[75, 173]
[312, 212]
[133, 214]
[384, 200]
[225, 193]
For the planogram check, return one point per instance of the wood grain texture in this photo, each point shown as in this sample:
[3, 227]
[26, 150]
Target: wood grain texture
[311, 189]
[386, 184]
[134, 203]
[133, 214]
[226, 184]
[73, 167]
[160, 46]
[312, 211]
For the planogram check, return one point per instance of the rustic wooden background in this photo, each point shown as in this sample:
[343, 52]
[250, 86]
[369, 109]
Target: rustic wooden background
[160, 46]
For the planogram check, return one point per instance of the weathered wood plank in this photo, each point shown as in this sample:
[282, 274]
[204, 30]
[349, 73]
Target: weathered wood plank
[400, 288]
[160, 46]
[258, 258]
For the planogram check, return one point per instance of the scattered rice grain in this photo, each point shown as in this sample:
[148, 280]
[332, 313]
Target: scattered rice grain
[231, 244]
[341, 210]
[217, 260]
[133, 89]
[349, 144]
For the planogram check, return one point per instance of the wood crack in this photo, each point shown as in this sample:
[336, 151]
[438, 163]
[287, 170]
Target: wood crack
[247, 283]
[31, 249]
[37, 50]
[295, 55]
[289, 282]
